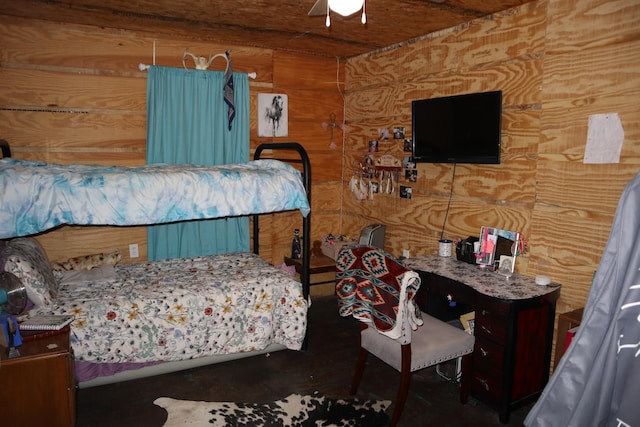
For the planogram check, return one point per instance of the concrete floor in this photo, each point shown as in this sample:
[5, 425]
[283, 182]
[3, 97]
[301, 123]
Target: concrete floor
[326, 367]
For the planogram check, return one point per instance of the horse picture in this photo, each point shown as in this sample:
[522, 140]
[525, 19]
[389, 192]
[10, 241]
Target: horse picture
[272, 115]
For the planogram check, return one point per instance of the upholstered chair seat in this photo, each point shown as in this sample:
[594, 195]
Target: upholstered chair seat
[376, 289]
[432, 343]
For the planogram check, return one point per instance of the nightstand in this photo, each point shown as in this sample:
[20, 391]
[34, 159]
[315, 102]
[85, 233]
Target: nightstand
[322, 269]
[38, 387]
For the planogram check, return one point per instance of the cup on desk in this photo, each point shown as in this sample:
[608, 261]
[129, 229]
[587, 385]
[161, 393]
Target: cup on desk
[444, 247]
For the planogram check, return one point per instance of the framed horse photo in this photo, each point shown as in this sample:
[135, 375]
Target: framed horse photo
[273, 117]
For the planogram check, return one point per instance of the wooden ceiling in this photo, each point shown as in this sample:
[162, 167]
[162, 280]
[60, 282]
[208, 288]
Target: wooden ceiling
[274, 24]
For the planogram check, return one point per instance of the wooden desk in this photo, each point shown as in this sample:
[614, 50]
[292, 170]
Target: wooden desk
[318, 265]
[566, 321]
[514, 322]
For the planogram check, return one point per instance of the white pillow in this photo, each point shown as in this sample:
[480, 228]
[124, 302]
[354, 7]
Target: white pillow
[97, 274]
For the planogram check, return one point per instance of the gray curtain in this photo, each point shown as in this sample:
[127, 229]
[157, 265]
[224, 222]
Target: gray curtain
[597, 382]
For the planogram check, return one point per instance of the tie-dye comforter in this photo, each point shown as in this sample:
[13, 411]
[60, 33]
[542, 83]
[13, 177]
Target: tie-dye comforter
[184, 308]
[37, 196]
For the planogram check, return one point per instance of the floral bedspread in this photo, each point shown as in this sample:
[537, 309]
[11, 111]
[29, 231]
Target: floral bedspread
[184, 308]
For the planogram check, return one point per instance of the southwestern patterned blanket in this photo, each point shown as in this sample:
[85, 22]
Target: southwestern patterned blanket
[374, 287]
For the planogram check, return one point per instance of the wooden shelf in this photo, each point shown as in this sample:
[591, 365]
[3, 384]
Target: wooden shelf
[317, 264]
[319, 268]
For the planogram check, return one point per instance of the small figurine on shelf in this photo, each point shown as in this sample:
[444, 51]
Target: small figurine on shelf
[296, 248]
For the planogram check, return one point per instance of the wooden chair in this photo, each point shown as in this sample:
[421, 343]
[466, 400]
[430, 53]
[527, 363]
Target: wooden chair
[379, 291]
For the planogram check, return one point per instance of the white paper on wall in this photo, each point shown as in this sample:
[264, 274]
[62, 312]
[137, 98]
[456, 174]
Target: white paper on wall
[604, 139]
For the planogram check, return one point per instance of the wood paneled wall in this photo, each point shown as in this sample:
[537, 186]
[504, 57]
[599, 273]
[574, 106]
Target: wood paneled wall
[557, 63]
[74, 94]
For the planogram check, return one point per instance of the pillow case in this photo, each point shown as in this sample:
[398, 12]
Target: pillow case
[98, 274]
[26, 259]
[88, 262]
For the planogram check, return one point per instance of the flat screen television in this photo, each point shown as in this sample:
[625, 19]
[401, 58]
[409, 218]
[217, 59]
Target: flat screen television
[457, 129]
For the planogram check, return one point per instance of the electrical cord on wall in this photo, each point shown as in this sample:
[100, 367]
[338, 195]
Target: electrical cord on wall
[446, 214]
[344, 112]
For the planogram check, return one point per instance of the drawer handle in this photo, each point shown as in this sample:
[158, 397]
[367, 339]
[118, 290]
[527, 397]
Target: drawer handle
[485, 312]
[487, 330]
[484, 352]
[484, 384]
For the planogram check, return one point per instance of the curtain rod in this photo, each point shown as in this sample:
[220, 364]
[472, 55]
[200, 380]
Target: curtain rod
[145, 67]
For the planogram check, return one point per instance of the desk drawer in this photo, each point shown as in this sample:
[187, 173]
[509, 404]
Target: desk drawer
[491, 325]
[488, 356]
[486, 387]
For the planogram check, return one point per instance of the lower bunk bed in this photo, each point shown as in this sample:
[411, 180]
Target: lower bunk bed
[182, 312]
[142, 319]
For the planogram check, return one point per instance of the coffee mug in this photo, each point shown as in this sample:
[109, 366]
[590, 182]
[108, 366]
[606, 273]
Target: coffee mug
[444, 247]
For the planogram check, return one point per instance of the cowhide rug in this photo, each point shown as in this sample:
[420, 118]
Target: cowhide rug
[292, 411]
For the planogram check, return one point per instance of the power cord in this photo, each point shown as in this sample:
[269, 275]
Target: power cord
[446, 214]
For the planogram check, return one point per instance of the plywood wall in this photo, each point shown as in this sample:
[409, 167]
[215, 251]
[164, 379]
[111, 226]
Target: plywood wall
[557, 63]
[74, 94]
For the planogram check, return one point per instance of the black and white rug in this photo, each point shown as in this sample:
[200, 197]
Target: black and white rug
[292, 411]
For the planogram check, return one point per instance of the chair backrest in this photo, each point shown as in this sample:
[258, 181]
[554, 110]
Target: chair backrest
[375, 288]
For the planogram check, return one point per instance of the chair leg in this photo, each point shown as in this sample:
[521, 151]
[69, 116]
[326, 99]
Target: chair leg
[357, 375]
[465, 378]
[403, 390]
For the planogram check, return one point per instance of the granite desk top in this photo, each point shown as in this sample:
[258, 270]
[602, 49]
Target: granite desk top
[483, 280]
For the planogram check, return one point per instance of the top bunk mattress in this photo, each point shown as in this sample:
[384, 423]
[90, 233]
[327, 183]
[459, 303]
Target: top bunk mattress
[37, 196]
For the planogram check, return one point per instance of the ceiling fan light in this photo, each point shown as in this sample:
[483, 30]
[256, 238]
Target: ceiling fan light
[345, 7]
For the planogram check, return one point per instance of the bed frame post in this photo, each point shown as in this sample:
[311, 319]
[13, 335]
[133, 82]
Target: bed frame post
[6, 151]
[306, 221]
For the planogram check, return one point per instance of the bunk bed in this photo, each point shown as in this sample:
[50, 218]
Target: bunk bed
[165, 315]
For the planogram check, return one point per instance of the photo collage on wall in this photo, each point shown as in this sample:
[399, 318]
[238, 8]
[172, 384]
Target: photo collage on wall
[405, 177]
[409, 167]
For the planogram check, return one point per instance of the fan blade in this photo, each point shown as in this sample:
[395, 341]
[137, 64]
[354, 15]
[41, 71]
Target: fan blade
[13, 296]
[319, 8]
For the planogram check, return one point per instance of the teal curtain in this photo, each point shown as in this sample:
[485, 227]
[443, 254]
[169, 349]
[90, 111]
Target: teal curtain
[187, 123]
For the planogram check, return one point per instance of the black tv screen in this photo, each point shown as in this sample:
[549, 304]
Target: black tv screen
[457, 129]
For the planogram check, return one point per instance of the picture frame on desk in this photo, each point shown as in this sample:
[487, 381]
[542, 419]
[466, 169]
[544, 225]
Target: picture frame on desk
[506, 265]
[495, 242]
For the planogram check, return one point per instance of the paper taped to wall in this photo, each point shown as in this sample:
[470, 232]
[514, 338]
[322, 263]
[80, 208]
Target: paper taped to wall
[604, 139]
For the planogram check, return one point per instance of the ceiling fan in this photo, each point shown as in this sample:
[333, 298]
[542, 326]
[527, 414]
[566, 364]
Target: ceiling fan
[319, 8]
[342, 7]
